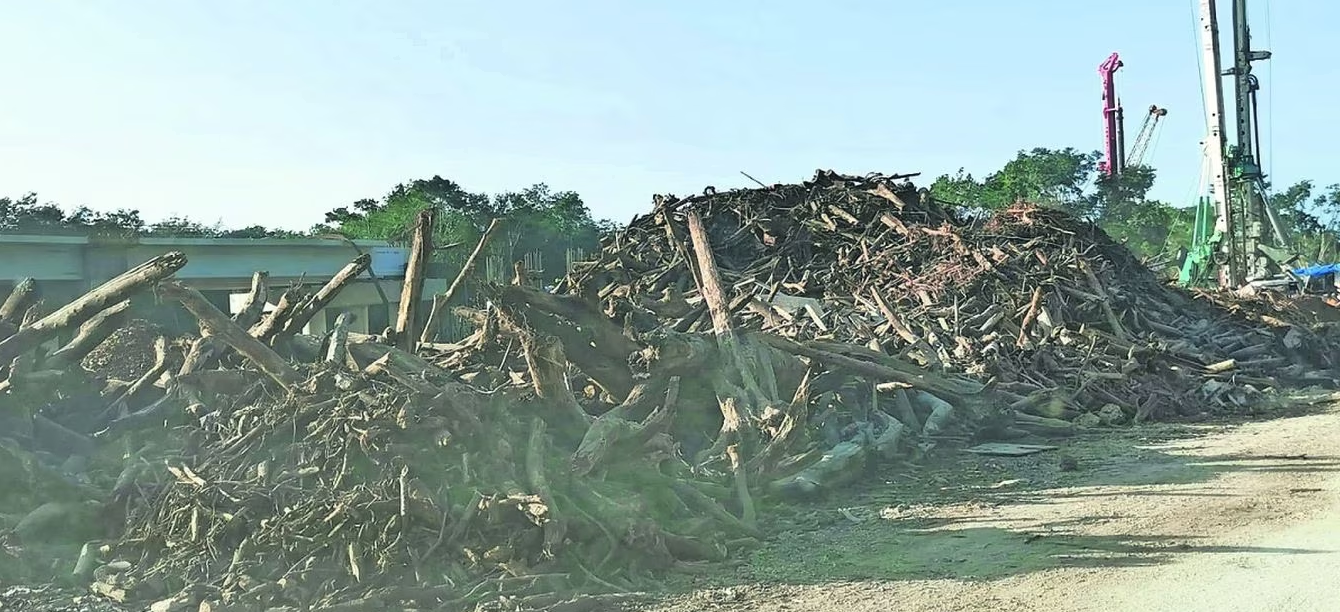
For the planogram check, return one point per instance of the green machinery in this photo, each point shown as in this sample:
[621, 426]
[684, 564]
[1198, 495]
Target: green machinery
[1237, 238]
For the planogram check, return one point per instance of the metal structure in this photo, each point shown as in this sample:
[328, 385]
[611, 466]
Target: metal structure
[1247, 243]
[1114, 147]
[1140, 147]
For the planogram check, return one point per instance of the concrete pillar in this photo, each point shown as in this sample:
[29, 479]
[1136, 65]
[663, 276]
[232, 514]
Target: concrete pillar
[318, 326]
[360, 323]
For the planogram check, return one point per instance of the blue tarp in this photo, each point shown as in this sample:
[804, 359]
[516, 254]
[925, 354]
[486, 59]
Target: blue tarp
[1318, 270]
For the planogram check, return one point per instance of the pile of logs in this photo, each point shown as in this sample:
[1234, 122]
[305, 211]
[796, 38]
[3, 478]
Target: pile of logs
[1066, 321]
[725, 352]
[267, 467]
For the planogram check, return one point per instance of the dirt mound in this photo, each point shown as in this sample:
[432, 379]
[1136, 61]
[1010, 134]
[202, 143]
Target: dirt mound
[127, 353]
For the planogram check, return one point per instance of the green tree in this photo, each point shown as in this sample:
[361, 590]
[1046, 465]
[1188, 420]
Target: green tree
[1068, 179]
[1059, 178]
[535, 220]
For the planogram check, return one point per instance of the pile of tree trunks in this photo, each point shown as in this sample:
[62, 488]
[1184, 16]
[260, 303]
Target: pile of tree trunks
[263, 467]
[1064, 320]
[726, 353]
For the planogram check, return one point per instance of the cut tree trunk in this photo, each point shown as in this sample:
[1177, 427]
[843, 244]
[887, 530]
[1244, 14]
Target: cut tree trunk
[23, 295]
[230, 333]
[302, 316]
[411, 291]
[440, 301]
[90, 304]
[594, 343]
[254, 306]
[338, 352]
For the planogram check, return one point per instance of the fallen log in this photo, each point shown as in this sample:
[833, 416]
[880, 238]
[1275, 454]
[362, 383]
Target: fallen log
[90, 304]
[20, 298]
[271, 324]
[839, 466]
[204, 351]
[591, 341]
[616, 431]
[883, 370]
[231, 334]
[92, 333]
[302, 315]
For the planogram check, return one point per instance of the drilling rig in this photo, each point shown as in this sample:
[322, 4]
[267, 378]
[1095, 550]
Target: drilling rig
[1116, 158]
[1238, 238]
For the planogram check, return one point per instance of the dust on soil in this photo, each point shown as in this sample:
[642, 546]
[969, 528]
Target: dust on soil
[989, 533]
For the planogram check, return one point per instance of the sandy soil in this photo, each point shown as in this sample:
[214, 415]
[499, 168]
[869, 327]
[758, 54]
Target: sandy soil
[1232, 518]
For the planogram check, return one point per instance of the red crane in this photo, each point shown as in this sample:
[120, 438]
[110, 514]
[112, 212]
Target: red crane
[1114, 135]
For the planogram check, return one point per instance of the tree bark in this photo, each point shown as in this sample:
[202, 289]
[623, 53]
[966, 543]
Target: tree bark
[440, 301]
[90, 304]
[270, 325]
[234, 336]
[411, 291]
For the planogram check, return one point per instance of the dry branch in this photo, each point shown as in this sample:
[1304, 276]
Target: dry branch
[440, 301]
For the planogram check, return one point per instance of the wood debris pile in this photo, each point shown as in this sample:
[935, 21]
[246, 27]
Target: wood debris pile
[728, 349]
[1064, 319]
[265, 467]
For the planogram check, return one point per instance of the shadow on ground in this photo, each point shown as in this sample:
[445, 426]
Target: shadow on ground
[898, 530]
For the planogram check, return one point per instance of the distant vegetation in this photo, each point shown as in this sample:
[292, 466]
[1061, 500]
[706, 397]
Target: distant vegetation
[552, 226]
[544, 226]
[1069, 179]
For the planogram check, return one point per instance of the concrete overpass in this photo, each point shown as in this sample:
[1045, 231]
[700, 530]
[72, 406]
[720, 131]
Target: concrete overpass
[221, 268]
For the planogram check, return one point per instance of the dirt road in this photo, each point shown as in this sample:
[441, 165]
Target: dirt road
[1240, 518]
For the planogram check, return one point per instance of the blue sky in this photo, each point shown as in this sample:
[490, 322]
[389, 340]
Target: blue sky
[253, 111]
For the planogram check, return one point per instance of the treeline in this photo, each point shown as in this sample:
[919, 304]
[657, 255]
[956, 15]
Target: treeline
[538, 224]
[1069, 179]
[548, 227]
[27, 215]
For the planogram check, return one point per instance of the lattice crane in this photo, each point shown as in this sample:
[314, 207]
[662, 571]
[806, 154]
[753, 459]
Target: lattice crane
[1140, 148]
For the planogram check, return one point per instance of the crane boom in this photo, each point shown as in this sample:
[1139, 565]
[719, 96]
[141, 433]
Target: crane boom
[1140, 148]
